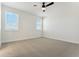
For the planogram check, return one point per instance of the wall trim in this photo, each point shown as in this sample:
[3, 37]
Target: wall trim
[21, 39]
[49, 37]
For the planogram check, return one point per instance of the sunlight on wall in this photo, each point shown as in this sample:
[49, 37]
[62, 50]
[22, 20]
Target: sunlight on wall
[0, 16]
[45, 24]
[0, 24]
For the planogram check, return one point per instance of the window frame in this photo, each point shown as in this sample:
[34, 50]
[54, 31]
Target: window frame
[5, 21]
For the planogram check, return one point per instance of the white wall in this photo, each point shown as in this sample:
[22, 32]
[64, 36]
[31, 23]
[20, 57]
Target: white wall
[62, 22]
[27, 25]
[0, 24]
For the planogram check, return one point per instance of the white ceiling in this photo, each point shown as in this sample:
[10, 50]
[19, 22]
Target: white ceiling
[28, 6]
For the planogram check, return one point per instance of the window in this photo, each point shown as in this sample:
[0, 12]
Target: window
[11, 21]
[38, 24]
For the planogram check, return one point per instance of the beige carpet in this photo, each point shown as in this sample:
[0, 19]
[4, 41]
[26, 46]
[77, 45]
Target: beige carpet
[41, 47]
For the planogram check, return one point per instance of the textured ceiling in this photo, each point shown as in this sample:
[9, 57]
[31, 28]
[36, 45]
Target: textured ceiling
[28, 6]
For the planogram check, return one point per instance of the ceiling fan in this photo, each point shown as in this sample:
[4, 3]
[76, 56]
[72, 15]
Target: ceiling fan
[44, 5]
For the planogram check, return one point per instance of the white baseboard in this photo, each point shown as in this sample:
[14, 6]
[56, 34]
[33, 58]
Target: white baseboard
[49, 37]
[26, 38]
[45, 36]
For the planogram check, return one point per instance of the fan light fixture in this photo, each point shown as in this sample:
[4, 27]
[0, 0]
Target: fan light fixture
[43, 9]
[46, 5]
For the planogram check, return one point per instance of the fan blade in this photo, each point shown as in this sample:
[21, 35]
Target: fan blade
[49, 4]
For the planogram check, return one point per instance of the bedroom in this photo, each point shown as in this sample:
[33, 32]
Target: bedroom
[28, 31]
